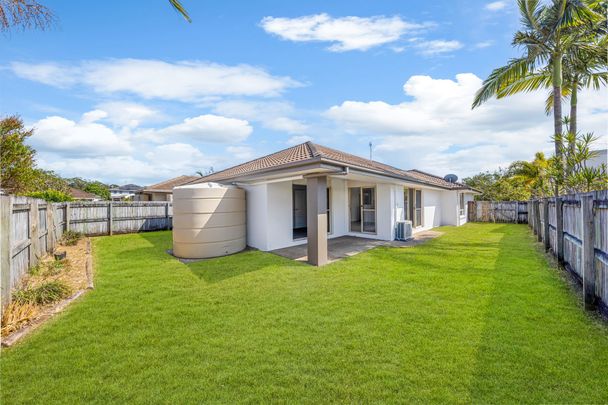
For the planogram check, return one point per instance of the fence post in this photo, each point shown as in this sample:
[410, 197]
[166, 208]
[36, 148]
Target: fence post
[6, 217]
[588, 251]
[539, 231]
[559, 228]
[33, 233]
[68, 214]
[110, 219]
[546, 228]
[167, 216]
[50, 227]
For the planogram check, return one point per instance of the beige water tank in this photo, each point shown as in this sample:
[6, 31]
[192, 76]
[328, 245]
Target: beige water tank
[208, 220]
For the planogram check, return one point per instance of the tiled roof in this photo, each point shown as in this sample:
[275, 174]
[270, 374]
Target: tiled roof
[82, 195]
[168, 185]
[309, 151]
[436, 180]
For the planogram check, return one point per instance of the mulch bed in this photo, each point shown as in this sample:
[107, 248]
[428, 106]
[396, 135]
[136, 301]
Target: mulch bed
[77, 274]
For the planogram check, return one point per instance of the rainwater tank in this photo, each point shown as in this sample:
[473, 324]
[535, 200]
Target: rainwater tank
[208, 220]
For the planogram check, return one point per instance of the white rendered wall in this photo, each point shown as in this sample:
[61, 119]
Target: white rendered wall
[257, 216]
[449, 208]
[339, 207]
[431, 204]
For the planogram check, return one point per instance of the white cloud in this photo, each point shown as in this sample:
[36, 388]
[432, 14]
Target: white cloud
[437, 130]
[298, 139]
[240, 152]
[272, 114]
[345, 33]
[149, 78]
[127, 114]
[438, 46]
[208, 128]
[496, 5]
[161, 162]
[84, 138]
[483, 44]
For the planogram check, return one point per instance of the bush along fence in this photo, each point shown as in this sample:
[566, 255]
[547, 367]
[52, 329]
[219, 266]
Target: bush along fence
[30, 228]
[574, 228]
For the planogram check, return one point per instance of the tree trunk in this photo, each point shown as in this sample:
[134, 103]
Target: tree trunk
[557, 111]
[573, 103]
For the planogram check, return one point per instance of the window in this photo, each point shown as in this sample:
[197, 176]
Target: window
[418, 204]
[406, 204]
[461, 205]
[328, 210]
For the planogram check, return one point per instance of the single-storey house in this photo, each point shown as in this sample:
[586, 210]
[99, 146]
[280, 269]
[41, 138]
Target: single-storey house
[163, 191]
[309, 193]
[124, 193]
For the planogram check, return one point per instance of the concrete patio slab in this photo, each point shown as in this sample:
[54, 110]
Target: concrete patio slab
[346, 246]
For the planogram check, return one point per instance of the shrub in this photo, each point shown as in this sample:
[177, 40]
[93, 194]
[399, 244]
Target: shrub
[51, 195]
[70, 238]
[49, 268]
[46, 293]
[16, 315]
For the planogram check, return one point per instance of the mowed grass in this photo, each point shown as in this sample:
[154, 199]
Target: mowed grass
[475, 316]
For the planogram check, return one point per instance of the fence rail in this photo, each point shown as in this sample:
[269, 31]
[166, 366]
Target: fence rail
[498, 211]
[573, 227]
[30, 228]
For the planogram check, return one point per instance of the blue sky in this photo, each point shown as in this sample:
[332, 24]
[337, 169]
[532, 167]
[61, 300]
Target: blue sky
[130, 92]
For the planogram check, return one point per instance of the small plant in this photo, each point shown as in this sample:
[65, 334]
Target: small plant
[16, 315]
[50, 268]
[45, 293]
[70, 238]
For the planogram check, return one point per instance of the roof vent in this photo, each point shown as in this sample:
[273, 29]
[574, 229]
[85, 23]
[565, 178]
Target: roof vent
[450, 178]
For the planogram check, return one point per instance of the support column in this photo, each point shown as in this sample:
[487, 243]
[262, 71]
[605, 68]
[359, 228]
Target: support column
[316, 221]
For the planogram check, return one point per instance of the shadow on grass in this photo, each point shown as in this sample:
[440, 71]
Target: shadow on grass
[219, 269]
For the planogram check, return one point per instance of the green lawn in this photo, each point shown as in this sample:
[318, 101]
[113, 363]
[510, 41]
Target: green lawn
[475, 316]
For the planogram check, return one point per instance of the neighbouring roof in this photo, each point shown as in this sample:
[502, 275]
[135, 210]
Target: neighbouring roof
[167, 185]
[127, 187]
[311, 152]
[82, 195]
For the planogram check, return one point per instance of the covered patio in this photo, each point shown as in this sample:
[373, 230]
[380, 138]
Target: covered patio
[346, 246]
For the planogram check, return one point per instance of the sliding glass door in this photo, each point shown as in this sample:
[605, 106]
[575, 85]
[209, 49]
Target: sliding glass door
[362, 209]
[412, 204]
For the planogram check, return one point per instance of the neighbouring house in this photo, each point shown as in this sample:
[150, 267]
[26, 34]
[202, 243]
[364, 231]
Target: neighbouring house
[309, 193]
[81, 195]
[126, 192]
[601, 158]
[163, 191]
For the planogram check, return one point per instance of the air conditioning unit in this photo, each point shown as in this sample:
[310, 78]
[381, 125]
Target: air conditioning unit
[403, 230]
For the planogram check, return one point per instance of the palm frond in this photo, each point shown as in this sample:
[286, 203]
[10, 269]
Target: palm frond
[177, 5]
[502, 77]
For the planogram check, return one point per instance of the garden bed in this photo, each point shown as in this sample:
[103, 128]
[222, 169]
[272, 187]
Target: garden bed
[46, 290]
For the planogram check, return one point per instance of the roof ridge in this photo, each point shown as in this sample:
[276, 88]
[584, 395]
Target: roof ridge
[313, 148]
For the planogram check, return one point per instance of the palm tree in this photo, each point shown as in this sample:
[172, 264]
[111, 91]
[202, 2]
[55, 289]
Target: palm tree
[547, 38]
[31, 14]
[25, 14]
[534, 175]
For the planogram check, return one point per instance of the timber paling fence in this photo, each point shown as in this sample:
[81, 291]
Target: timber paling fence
[30, 228]
[573, 227]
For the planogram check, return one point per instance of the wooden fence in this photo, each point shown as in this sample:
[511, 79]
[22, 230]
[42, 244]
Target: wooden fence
[574, 228]
[30, 228]
[498, 211]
